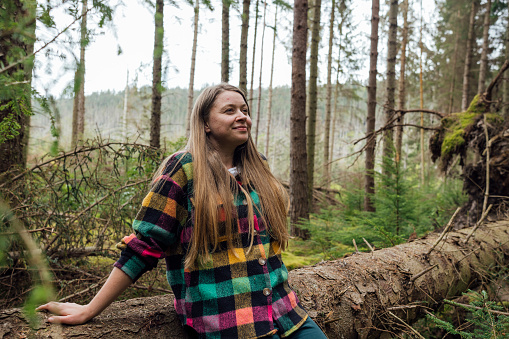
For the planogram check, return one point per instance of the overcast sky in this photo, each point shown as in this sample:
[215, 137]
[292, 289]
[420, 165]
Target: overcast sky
[133, 33]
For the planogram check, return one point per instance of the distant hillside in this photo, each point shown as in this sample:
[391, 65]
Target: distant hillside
[104, 119]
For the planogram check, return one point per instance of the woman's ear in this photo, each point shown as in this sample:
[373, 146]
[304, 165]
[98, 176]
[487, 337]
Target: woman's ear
[207, 128]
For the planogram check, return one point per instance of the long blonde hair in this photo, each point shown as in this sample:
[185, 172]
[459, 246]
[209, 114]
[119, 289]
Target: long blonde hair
[213, 183]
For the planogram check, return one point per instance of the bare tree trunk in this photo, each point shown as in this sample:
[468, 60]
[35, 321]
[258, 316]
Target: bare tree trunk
[258, 106]
[334, 120]
[269, 102]
[336, 93]
[369, 181]
[454, 62]
[124, 113]
[326, 140]
[313, 97]
[225, 42]
[74, 132]
[421, 92]
[250, 98]
[243, 46]
[468, 57]
[506, 82]
[392, 52]
[79, 83]
[402, 85]
[13, 151]
[355, 297]
[157, 88]
[298, 157]
[485, 46]
[190, 90]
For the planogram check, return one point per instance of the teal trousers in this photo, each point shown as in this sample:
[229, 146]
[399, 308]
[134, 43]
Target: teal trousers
[308, 330]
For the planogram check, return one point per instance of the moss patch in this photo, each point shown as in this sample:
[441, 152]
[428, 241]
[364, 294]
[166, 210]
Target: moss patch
[455, 126]
[293, 261]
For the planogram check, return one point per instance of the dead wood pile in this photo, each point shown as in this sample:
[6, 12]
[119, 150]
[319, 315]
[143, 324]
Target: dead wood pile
[366, 295]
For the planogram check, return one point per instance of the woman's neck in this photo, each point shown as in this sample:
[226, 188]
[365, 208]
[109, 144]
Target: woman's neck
[226, 158]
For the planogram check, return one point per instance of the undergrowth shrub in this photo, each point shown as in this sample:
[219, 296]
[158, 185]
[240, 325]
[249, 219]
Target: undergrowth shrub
[76, 205]
[484, 319]
[403, 210]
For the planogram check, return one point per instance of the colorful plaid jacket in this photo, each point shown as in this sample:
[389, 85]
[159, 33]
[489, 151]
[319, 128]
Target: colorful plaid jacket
[237, 294]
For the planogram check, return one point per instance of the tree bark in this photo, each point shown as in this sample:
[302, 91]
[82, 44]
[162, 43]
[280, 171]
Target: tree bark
[269, 101]
[313, 97]
[402, 90]
[506, 83]
[15, 100]
[78, 115]
[485, 46]
[351, 297]
[468, 57]
[124, 112]
[225, 42]
[454, 62]
[392, 52]
[421, 97]
[250, 98]
[157, 88]
[298, 157]
[190, 91]
[369, 181]
[335, 116]
[243, 46]
[259, 101]
[328, 98]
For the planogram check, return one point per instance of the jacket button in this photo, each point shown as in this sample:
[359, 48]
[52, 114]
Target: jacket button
[262, 261]
[266, 292]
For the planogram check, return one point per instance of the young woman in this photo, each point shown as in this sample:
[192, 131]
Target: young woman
[218, 216]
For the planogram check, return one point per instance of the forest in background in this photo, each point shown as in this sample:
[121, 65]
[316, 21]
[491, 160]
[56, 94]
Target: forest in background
[365, 143]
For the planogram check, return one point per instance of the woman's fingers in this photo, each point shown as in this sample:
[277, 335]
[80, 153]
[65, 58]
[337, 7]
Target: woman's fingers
[66, 319]
[65, 313]
[52, 306]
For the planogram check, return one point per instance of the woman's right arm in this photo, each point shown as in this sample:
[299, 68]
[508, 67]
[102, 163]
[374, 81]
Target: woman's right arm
[74, 314]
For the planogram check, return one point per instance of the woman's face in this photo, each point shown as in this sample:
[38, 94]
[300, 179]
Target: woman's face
[229, 122]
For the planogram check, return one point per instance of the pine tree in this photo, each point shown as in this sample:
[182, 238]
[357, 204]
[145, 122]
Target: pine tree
[298, 175]
[155, 119]
[312, 100]
[369, 181]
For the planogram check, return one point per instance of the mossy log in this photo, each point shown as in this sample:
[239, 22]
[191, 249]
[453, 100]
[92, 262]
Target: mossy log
[355, 297]
[459, 132]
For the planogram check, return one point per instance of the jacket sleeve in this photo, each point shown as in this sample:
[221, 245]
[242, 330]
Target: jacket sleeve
[159, 222]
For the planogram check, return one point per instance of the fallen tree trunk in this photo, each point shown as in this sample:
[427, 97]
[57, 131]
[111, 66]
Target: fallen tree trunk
[366, 295]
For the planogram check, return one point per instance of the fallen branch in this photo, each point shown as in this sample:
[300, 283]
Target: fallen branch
[65, 155]
[472, 307]
[423, 272]
[419, 110]
[103, 279]
[487, 150]
[406, 325]
[446, 229]
[91, 206]
[367, 243]
[43, 229]
[355, 245]
[485, 214]
[486, 96]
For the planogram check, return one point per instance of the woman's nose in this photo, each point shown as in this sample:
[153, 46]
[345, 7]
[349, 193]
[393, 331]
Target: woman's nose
[241, 115]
